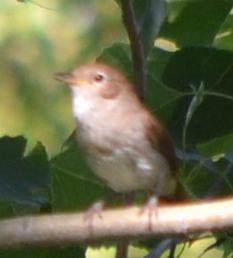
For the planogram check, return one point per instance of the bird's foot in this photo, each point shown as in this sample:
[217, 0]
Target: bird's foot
[151, 207]
[95, 210]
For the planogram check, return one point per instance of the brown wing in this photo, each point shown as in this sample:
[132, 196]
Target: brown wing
[162, 141]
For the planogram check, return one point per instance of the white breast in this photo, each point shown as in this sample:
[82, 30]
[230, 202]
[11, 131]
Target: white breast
[80, 104]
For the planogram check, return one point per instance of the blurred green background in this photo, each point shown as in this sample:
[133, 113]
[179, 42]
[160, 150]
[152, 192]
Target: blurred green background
[34, 44]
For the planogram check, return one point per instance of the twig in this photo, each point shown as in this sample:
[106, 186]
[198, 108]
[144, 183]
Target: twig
[138, 56]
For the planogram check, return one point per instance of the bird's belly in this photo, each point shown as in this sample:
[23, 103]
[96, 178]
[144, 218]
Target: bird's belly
[124, 174]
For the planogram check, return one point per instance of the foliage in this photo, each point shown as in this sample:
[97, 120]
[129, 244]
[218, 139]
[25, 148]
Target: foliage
[191, 89]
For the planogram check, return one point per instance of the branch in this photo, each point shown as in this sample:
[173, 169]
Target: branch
[138, 56]
[67, 229]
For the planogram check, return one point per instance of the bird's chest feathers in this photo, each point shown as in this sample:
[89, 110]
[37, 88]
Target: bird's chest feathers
[97, 128]
[85, 110]
[127, 170]
[117, 148]
[117, 170]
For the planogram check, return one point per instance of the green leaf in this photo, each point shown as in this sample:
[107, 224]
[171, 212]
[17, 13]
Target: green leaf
[150, 15]
[159, 97]
[224, 243]
[175, 8]
[217, 147]
[118, 55]
[224, 38]
[23, 179]
[6, 209]
[198, 22]
[213, 68]
[198, 178]
[45, 252]
[75, 186]
[196, 65]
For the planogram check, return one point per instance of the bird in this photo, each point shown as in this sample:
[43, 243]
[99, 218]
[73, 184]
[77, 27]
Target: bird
[124, 143]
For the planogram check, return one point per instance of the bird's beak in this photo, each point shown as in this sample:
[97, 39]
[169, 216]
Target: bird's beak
[69, 79]
[64, 77]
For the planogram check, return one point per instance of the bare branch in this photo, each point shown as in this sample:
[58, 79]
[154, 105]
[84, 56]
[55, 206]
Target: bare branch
[138, 56]
[67, 229]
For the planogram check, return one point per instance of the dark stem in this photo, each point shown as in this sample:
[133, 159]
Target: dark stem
[165, 244]
[138, 57]
[122, 249]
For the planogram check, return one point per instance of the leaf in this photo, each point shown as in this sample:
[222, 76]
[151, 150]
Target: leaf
[150, 15]
[74, 186]
[46, 252]
[205, 177]
[159, 97]
[6, 209]
[198, 22]
[175, 8]
[23, 179]
[224, 243]
[198, 178]
[213, 68]
[196, 65]
[118, 55]
[219, 146]
[225, 36]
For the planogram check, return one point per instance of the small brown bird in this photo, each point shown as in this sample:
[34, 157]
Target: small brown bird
[125, 145]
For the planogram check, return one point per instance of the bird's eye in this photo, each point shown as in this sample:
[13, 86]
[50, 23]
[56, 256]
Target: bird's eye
[99, 77]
